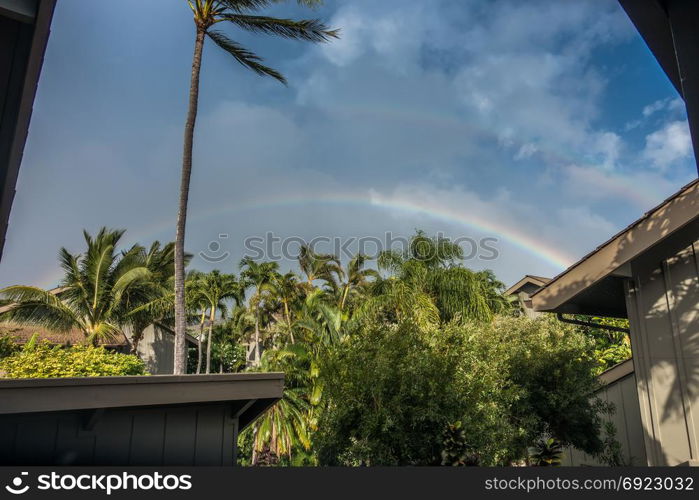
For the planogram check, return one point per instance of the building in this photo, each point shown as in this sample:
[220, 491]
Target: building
[649, 273]
[524, 289]
[154, 420]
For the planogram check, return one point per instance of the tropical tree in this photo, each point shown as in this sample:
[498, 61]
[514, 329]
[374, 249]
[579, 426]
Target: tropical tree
[287, 425]
[213, 290]
[287, 290]
[99, 290]
[242, 14]
[356, 279]
[259, 275]
[429, 271]
[160, 260]
[317, 266]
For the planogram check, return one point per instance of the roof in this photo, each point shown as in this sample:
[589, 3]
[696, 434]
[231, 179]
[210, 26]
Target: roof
[25, 25]
[537, 281]
[23, 333]
[257, 390]
[651, 20]
[610, 260]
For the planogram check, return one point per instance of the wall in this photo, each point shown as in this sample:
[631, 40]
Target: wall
[663, 306]
[620, 390]
[156, 349]
[202, 434]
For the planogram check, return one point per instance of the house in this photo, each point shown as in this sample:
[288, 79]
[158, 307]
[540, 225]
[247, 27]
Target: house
[523, 290]
[649, 272]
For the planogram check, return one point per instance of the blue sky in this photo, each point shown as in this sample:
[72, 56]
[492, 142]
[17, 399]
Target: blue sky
[545, 124]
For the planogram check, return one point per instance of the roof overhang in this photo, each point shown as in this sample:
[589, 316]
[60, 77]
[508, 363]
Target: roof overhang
[594, 285]
[651, 20]
[252, 392]
[24, 31]
[670, 28]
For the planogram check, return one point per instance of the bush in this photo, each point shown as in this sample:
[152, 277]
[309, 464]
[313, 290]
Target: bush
[8, 345]
[390, 393]
[44, 360]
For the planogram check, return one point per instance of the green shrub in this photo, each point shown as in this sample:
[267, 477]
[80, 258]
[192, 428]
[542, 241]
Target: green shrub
[8, 345]
[391, 391]
[43, 360]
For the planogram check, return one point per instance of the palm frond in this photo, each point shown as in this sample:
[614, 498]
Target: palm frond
[311, 30]
[248, 59]
[34, 306]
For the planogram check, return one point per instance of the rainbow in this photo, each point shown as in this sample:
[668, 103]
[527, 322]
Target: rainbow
[399, 205]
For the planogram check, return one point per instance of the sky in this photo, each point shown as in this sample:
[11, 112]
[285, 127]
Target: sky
[540, 128]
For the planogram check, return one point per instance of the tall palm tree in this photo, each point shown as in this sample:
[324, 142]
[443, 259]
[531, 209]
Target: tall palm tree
[98, 290]
[214, 289]
[241, 14]
[259, 275]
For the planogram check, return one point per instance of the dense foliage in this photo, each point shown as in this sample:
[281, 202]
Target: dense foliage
[8, 345]
[43, 360]
[391, 391]
[411, 359]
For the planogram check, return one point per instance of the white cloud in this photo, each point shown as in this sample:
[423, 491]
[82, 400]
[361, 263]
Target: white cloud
[668, 145]
[667, 104]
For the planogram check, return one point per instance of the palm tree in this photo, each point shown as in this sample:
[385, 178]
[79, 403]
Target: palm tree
[317, 266]
[240, 14]
[287, 424]
[161, 263]
[213, 290]
[260, 275]
[356, 278]
[288, 291]
[428, 272]
[98, 291]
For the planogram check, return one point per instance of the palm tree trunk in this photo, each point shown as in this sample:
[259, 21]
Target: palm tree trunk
[209, 338]
[288, 321]
[180, 319]
[201, 334]
[256, 362]
[345, 292]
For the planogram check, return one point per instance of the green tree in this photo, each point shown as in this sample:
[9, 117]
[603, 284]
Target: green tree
[427, 282]
[317, 266]
[259, 275]
[286, 426]
[99, 291]
[391, 391]
[213, 290]
[241, 14]
[357, 280]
